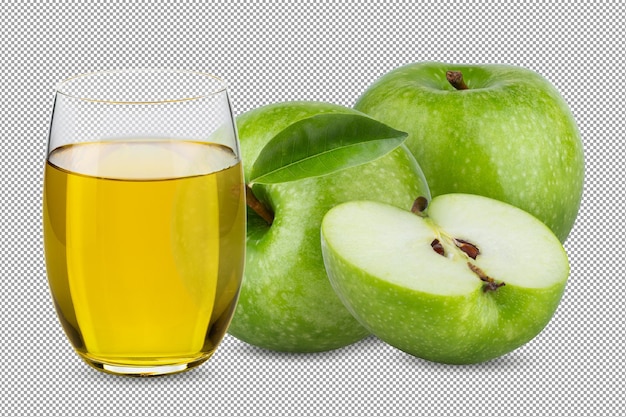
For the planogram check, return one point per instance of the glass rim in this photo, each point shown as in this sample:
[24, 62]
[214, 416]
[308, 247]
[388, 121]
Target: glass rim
[220, 87]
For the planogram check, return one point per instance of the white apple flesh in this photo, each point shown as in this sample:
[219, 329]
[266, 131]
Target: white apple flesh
[412, 281]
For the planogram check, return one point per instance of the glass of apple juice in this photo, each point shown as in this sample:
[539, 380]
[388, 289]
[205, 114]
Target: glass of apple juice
[144, 217]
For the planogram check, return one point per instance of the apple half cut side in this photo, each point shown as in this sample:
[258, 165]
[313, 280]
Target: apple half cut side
[463, 281]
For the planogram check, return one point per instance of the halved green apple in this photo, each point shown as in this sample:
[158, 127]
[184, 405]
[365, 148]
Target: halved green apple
[466, 280]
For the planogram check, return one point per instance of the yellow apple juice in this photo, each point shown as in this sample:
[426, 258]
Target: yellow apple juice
[144, 244]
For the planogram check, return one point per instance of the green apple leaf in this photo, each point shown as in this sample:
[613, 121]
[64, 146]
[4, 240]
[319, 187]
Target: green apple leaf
[322, 144]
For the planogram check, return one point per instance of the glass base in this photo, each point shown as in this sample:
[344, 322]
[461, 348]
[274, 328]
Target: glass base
[142, 370]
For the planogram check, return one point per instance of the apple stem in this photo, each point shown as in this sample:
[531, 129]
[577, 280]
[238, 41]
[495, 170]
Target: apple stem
[490, 283]
[456, 79]
[258, 207]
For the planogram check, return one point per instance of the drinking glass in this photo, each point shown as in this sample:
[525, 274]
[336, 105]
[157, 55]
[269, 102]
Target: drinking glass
[144, 217]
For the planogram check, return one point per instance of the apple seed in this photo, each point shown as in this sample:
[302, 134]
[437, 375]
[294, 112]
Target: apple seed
[470, 249]
[437, 247]
[419, 206]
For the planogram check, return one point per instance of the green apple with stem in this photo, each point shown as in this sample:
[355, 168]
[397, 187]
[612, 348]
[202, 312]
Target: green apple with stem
[286, 302]
[500, 131]
[466, 280]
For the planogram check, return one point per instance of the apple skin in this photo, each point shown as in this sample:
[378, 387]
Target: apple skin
[463, 327]
[286, 302]
[509, 136]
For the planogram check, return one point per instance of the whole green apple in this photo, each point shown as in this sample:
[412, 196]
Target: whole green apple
[286, 302]
[499, 131]
[472, 280]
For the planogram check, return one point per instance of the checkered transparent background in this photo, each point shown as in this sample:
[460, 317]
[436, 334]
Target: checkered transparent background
[327, 51]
